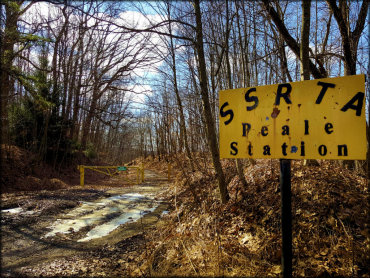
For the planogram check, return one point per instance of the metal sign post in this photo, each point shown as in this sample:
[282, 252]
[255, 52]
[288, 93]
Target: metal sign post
[286, 216]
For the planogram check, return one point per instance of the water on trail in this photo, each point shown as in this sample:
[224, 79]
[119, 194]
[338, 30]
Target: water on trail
[17, 210]
[12, 210]
[102, 216]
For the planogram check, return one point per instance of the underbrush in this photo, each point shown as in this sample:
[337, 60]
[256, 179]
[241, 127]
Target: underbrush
[22, 170]
[202, 237]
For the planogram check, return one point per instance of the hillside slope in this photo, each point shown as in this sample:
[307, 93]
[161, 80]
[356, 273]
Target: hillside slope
[200, 236]
[21, 170]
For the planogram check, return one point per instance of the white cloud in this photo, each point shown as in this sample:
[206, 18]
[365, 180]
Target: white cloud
[138, 20]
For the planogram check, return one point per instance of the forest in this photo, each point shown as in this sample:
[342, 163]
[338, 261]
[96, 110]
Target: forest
[130, 82]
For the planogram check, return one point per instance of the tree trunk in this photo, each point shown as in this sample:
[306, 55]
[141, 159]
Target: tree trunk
[304, 54]
[238, 162]
[88, 121]
[211, 132]
[183, 132]
[350, 40]
[76, 101]
[9, 39]
[291, 42]
[305, 39]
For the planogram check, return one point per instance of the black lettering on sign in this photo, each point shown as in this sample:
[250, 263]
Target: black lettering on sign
[226, 113]
[250, 149]
[251, 99]
[285, 130]
[246, 128]
[266, 150]
[323, 150]
[285, 95]
[234, 149]
[302, 148]
[305, 127]
[342, 150]
[324, 88]
[264, 131]
[359, 97]
[283, 148]
[329, 128]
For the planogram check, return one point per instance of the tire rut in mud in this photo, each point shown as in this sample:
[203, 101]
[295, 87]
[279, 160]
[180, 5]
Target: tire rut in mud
[25, 252]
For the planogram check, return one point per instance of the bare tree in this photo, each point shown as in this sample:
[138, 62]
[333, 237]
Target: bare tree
[203, 79]
[350, 38]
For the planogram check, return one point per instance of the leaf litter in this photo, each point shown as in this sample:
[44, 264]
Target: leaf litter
[243, 237]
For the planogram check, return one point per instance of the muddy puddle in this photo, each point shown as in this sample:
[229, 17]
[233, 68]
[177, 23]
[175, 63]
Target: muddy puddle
[100, 217]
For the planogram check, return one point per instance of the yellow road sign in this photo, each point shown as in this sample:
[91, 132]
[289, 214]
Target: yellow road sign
[313, 119]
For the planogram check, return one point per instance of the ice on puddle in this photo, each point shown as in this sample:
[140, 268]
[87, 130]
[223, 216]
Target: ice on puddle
[106, 228]
[12, 210]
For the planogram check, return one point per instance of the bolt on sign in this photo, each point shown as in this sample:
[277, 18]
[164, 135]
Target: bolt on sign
[313, 119]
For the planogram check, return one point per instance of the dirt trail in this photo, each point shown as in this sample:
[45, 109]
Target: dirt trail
[31, 246]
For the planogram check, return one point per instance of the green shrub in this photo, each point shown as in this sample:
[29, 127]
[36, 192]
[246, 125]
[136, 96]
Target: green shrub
[90, 151]
[21, 124]
[75, 146]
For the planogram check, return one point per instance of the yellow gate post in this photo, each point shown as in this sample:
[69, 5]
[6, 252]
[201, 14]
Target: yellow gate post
[82, 174]
[142, 172]
[137, 175]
